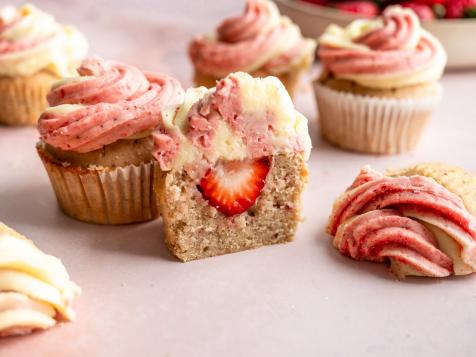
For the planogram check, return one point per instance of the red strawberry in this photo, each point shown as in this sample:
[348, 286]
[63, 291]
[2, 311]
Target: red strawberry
[423, 11]
[364, 8]
[455, 9]
[233, 187]
[317, 2]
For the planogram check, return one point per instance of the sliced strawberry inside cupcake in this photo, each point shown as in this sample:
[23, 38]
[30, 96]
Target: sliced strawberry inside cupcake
[233, 187]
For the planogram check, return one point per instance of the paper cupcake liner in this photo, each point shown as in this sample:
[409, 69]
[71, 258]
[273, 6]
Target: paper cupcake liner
[373, 124]
[102, 195]
[23, 99]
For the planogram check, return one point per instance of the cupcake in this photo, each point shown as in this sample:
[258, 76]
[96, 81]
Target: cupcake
[35, 290]
[96, 141]
[232, 167]
[260, 42]
[35, 52]
[420, 220]
[379, 83]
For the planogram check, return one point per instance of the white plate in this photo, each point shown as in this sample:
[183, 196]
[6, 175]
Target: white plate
[457, 36]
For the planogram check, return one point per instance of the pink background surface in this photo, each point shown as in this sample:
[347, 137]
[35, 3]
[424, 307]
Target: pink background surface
[300, 299]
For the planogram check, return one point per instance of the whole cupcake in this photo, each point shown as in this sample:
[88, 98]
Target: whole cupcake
[260, 42]
[35, 52]
[96, 140]
[379, 83]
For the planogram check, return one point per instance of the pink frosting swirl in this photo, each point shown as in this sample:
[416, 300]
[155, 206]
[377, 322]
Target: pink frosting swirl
[258, 38]
[399, 46]
[118, 101]
[375, 220]
[10, 46]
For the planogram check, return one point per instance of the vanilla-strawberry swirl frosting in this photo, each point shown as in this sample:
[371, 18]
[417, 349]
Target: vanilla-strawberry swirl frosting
[413, 222]
[390, 52]
[243, 117]
[259, 39]
[31, 40]
[109, 101]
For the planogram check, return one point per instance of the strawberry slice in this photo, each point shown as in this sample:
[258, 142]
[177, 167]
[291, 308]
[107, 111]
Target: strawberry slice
[233, 186]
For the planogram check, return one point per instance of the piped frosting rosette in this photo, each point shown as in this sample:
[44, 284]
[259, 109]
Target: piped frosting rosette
[259, 39]
[35, 289]
[108, 102]
[410, 220]
[31, 40]
[390, 52]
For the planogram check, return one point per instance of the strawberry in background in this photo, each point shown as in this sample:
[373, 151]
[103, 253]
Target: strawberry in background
[363, 8]
[456, 9]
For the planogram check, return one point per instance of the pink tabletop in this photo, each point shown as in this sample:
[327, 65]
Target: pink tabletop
[300, 299]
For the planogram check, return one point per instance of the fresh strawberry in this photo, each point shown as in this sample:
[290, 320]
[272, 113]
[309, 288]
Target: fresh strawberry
[364, 8]
[423, 11]
[317, 2]
[233, 186]
[455, 9]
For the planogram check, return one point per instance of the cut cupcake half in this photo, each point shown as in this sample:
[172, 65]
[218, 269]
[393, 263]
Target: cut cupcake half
[231, 168]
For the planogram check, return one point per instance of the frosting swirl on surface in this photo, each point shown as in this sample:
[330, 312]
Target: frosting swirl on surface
[31, 40]
[108, 102]
[390, 52]
[413, 222]
[35, 289]
[260, 38]
[243, 117]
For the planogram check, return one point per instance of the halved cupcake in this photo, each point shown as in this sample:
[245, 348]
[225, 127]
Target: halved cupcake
[232, 167]
[420, 220]
[260, 42]
[35, 52]
[379, 83]
[96, 141]
[36, 292]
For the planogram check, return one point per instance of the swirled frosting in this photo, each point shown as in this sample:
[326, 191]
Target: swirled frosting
[259, 39]
[108, 102]
[390, 52]
[31, 40]
[243, 117]
[413, 222]
[35, 289]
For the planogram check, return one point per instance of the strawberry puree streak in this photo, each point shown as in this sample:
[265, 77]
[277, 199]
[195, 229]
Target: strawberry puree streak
[119, 100]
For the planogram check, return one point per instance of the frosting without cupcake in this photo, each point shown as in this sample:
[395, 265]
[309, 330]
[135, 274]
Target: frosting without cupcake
[35, 289]
[414, 222]
[31, 40]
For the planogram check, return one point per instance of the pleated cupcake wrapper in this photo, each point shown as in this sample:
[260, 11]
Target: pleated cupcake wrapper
[373, 124]
[23, 99]
[104, 196]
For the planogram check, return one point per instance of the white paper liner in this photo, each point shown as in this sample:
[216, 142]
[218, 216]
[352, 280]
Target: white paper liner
[373, 124]
[104, 196]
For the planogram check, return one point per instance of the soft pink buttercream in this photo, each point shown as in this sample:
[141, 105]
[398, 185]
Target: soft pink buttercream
[389, 49]
[119, 101]
[248, 42]
[372, 221]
